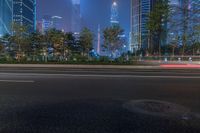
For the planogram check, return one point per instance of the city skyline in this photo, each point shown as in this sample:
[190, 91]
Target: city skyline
[91, 12]
[74, 15]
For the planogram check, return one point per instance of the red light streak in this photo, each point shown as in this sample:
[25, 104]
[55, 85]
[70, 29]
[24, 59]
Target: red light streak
[194, 66]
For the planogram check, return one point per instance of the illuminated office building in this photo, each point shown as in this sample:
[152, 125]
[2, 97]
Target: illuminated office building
[185, 16]
[76, 17]
[140, 10]
[56, 22]
[6, 11]
[47, 23]
[24, 13]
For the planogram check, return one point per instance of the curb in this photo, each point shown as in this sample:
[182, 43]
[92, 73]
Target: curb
[77, 66]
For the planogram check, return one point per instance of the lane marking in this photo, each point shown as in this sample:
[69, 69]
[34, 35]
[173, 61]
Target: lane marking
[107, 72]
[136, 76]
[17, 81]
[99, 75]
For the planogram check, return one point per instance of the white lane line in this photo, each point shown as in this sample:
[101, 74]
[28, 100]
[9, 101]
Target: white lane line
[17, 81]
[91, 75]
[135, 76]
[101, 76]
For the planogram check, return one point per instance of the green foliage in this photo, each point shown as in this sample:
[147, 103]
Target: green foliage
[157, 21]
[1, 46]
[159, 16]
[86, 40]
[20, 39]
[112, 39]
[56, 39]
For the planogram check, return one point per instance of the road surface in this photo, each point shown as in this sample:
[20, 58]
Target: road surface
[52, 100]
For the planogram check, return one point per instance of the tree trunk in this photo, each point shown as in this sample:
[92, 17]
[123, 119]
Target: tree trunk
[173, 51]
[193, 50]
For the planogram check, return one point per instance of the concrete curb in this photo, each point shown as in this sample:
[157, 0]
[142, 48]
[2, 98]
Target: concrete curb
[77, 66]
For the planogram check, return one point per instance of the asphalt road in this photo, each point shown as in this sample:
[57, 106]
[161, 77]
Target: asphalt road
[44, 100]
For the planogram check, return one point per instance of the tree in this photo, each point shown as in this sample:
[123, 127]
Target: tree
[19, 38]
[173, 46]
[1, 45]
[56, 39]
[112, 38]
[38, 43]
[195, 47]
[185, 20]
[69, 43]
[156, 24]
[86, 40]
[195, 39]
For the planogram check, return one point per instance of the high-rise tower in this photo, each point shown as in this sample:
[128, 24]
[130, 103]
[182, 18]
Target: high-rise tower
[114, 13]
[76, 16]
[24, 13]
[46, 23]
[56, 20]
[6, 10]
[140, 10]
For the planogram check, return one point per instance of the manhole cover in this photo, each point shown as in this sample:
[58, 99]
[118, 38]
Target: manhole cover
[158, 108]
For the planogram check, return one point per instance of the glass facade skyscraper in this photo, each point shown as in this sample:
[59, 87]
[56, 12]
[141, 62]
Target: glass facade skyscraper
[140, 10]
[6, 10]
[47, 23]
[24, 13]
[185, 16]
[76, 16]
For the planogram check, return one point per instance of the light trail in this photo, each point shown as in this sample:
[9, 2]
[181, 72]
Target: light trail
[191, 66]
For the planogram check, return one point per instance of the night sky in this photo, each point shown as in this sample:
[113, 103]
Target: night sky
[93, 12]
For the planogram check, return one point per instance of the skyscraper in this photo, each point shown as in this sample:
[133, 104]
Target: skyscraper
[47, 23]
[56, 21]
[175, 24]
[24, 13]
[6, 10]
[76, 16]
[140, 10]
[114, 13]
[185, 16]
